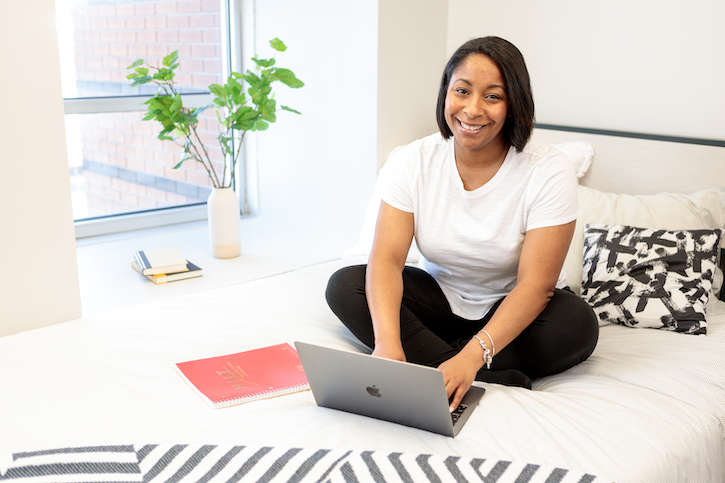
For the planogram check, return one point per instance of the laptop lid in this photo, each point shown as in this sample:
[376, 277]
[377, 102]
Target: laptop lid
[399, 392]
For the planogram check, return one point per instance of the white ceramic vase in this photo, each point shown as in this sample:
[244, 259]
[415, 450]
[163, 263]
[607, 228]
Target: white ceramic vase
[224, 225]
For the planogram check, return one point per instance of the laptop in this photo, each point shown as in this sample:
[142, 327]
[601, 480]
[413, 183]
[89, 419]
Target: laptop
[395, 391]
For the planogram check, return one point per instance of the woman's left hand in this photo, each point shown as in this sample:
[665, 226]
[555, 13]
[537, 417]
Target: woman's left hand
[459, 372]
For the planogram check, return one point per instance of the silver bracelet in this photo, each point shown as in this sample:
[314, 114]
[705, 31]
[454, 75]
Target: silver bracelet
[486, 353]
[493, 346]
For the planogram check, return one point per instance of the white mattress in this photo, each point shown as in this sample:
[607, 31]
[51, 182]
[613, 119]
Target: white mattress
[646, 406]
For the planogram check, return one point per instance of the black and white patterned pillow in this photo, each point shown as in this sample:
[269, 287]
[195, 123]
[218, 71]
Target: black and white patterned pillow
[649, 278]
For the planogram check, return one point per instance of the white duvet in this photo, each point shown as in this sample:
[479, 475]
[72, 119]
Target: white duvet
[648, 405]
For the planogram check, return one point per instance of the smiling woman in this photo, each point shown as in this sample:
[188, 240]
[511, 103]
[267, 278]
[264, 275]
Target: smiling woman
[493, 216]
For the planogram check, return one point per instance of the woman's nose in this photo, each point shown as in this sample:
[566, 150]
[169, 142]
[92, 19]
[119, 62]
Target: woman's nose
[474, 107]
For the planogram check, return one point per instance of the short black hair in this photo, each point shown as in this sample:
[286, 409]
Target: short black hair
[520, 117]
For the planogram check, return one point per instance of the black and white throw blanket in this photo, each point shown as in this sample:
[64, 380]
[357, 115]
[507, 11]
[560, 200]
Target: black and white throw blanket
[210, 463]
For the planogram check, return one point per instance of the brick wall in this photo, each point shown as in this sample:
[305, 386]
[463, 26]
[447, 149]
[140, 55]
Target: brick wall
[124, 167]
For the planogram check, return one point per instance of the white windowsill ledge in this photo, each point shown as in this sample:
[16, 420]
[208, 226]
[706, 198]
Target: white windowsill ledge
[107, 281]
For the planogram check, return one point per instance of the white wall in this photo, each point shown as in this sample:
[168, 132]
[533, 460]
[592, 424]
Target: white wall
[651, 66]
[39, 285]
[313, 170]
[411, 57]
[371, 70]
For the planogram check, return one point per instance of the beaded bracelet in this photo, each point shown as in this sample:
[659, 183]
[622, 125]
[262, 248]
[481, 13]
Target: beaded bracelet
[486, 353]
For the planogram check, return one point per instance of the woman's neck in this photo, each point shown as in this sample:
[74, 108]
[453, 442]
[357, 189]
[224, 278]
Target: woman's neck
[476, 168]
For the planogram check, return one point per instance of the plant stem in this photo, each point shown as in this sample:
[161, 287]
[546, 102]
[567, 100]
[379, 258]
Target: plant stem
[215, 179]
[236, 155]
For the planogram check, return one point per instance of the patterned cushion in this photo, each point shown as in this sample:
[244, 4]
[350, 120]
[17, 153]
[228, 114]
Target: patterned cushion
[649, 278]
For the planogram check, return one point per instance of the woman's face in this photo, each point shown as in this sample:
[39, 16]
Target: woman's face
[476, 104]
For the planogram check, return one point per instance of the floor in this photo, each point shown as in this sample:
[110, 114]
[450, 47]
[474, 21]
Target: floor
[107, 281]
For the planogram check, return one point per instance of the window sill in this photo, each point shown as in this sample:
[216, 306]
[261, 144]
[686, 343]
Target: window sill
[108, 283]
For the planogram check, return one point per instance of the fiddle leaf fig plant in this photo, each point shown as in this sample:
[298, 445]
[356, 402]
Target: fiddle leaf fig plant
[244, 103]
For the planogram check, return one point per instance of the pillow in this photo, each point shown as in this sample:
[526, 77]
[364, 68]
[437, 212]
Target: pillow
[578, 152]
[669, 211]
[647, 278]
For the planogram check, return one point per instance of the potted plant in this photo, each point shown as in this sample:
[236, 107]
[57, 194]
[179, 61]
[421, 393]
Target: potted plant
[244, 103]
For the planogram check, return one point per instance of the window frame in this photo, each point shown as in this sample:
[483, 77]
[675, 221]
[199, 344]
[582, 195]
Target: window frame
[231, 11]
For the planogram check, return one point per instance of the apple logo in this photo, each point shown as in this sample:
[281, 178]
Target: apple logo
[373, 391]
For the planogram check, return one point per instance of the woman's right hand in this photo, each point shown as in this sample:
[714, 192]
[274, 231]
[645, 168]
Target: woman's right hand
[390, 351]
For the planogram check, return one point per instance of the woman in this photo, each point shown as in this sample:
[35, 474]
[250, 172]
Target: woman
[493, 216]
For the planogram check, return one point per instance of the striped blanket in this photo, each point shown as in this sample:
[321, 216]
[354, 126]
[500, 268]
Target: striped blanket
[210, 463]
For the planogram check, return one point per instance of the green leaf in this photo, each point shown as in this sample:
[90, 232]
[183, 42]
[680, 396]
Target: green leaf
[285, 108]
[197, 111]
[288, 78]
[217, 90]
[136, 63]
[251, 77]
[164, 74]
[140, 80]
[171, 59]
[244, 126]
[277, 45]
[245, 113]
[267, 110]
[176, 104]
[261, 125]
[259, 94]
[263, 62]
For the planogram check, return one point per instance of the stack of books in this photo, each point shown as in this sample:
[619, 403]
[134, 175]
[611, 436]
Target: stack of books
[164, 265]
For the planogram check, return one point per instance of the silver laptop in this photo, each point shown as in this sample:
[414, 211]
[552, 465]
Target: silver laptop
[400, 392]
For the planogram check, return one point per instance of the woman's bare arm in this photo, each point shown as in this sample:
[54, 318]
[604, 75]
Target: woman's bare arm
[384, 279]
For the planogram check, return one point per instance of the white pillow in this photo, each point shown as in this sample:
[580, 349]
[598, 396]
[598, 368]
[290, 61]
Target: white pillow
[579, 153]
[669, 211]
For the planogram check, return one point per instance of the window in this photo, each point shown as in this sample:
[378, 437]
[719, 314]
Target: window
[116, 164]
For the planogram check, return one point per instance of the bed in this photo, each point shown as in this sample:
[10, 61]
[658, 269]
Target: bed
[98, 399]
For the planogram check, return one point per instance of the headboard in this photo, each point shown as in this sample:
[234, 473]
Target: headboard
[643, 164]
[640, 164]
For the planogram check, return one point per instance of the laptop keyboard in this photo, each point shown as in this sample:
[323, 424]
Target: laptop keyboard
[457, 413]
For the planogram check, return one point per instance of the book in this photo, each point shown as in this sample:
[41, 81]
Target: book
[246, 376]
[192, 272]
[160, 260]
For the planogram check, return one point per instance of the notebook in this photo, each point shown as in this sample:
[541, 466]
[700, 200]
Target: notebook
[399, 392]
[245, 376]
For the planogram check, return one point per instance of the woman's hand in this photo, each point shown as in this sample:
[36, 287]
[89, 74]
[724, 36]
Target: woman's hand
[460, 371]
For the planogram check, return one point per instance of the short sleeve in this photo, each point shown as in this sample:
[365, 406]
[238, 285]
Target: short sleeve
[553, 193]
[394, 178]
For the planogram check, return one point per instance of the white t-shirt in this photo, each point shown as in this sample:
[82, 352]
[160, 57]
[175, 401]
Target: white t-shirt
[471, 241]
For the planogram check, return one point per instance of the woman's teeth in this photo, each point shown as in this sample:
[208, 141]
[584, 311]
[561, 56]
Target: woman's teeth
[470, 127]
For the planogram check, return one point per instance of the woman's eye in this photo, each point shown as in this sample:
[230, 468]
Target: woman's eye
[461, 90]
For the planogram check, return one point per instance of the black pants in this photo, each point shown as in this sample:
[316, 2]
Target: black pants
[563, 335]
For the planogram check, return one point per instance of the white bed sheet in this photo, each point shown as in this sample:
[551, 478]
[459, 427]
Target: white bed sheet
[646, 406]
